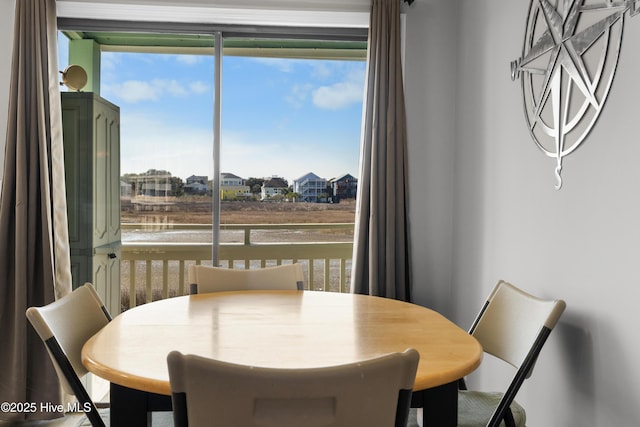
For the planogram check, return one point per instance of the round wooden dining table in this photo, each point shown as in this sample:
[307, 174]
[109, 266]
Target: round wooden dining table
[283, 329]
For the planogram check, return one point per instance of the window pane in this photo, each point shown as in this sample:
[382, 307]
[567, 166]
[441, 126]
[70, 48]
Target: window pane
[291, 115]
[166, 103]
[293, 124]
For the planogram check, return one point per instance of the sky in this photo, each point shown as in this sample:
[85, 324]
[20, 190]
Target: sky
[280, 117]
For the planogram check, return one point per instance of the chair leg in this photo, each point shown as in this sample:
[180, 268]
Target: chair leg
[94, 416]
[440, 405]
[508, 418]
[86, 403]
[74, 381]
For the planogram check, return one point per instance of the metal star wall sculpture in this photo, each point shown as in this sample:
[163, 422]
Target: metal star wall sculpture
[569, 58]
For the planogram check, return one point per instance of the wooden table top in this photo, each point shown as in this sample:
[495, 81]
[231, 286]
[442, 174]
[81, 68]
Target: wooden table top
[291, 329]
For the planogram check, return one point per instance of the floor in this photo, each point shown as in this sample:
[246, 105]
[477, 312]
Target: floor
[69, 420]
[79, 420]
[159, 420]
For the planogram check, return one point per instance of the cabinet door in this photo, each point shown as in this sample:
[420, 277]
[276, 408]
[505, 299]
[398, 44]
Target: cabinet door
[80, 269]
[106, 175]
[91, 130]
[77, 163]
[106, 278]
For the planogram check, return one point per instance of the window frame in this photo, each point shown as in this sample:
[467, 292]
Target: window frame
[219, 32]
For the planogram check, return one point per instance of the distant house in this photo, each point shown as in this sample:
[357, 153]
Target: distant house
[233, 187]
[197, 179]
[153, 183]
[310, 187]
[273, 187]
[344, 187]
[196, 185]
[125, 189]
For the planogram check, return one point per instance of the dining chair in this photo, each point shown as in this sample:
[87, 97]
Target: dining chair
[512, 326]
[373, 393]
[203, 279]
[64, 326]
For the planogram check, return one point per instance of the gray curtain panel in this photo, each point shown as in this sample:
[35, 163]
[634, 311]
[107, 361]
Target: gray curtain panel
[381, 248]
[34, 244]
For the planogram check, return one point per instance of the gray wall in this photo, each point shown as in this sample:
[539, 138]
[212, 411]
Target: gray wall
[483, 206]
[580, 243]
[430, 86]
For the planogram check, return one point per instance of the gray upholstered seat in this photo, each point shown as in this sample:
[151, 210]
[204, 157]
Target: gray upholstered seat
[476, 407]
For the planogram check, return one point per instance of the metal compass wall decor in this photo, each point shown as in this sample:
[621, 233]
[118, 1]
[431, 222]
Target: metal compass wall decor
[569, 58]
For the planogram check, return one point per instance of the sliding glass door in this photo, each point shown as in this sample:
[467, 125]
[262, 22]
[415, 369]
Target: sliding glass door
[224, 132]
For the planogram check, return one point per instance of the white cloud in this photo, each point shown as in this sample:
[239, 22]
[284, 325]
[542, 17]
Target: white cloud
[200, 87]
[342, 94]
[299, 94]
[337, 96]
[189, 59]
[321, 70]
[282, 64]
[110, 66]
[173, 87]
[133, 91]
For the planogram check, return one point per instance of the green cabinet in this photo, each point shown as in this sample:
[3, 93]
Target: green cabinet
[91, 132]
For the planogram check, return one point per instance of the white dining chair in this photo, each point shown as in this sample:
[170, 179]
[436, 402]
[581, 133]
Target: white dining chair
[64, 326]
[203, 279]
[373, 393]
[512, 326]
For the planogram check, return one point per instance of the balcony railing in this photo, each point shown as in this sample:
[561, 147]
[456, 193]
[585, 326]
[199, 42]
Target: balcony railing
[156, 270]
